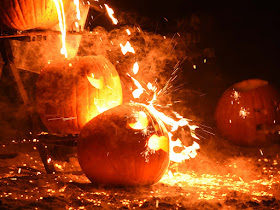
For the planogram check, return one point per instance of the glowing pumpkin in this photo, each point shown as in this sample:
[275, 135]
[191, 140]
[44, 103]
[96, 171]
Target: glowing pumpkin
[69, 93]
[245, 110]
[126, 145]
[30, 14]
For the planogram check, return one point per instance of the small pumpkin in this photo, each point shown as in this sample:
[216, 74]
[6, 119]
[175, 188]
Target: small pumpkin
[245, 110]
[30, 14]
[126, 146]
[71, 92]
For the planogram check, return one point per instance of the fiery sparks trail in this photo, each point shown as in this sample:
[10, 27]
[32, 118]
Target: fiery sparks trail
[110, 13]
[62, 25]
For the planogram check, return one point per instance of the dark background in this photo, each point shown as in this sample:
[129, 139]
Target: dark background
[245, 34]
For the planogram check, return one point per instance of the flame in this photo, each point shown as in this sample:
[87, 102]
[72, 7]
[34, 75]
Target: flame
[141, 123]
[62, 25]
[186, 153]
[127, 48]
[158, 142]
[138, 92]
[97, 83]
[110, 13]
[135, 68]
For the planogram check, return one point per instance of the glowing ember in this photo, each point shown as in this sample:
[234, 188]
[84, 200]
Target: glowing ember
[110, 13]
[62, 25]
[127, 48]
[128, 32]
[135, 68]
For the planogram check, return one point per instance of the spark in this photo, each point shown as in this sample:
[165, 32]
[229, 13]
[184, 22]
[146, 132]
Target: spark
[110, 12]
[127, 48]
[135, 68]
[62, 25]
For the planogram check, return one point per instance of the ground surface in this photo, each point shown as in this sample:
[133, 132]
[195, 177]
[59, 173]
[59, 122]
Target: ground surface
[222, 176]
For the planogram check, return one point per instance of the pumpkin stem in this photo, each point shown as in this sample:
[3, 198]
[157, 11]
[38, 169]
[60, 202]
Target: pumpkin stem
[250, 84]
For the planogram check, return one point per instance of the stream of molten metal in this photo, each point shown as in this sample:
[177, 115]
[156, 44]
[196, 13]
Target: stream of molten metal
[62, 25]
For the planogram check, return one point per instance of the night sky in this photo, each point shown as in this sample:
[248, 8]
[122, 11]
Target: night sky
[244, 34]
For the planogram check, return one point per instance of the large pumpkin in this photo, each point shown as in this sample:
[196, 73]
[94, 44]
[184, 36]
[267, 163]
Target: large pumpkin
[30, 14]
[247, 110]
[71, 92]
[126, 145]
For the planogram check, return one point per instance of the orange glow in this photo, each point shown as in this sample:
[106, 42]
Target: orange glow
[127, 48]
[62, 25]
[141, 123]
[158, 142]
[110, 13]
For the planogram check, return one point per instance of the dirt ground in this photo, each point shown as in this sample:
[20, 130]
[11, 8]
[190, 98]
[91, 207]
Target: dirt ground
[221, 176]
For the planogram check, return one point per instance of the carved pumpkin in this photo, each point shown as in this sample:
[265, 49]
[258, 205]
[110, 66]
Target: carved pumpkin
[30, 14]
[246, 110]
[69, 93]
[126, 145]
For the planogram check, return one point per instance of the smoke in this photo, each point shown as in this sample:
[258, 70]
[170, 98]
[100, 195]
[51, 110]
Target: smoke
[155, 54]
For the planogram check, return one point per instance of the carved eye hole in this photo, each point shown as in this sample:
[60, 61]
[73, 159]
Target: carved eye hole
[158, 142]
[97, 83]
[141, 121]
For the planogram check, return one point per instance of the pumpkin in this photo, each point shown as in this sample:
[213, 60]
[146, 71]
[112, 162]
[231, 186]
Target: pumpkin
[245, 110]
[124, 146]
[71, 92]
[30, 14]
